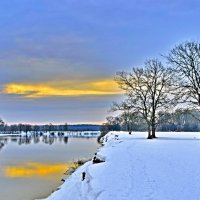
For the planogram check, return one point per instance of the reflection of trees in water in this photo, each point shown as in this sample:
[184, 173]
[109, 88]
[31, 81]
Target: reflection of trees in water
[24, 140]
[45, 139]
[65, 140]
[51, 139]
[1, 145]
[3, 141]
[36, 138]
[60, 138]
[20, 141]
[48, 140]
[14, 139]
[27, 140]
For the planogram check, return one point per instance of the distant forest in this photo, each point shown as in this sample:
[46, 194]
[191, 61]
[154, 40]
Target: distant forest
[180, 120]
[46, 128]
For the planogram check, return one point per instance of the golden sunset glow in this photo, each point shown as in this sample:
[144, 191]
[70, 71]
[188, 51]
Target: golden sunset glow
[33, 169]
[104, 87]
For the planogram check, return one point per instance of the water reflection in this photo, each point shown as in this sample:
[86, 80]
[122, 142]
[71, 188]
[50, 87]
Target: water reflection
[1, 145]
[33, 166]
[32, 139]
[3, 141]
[35, 169]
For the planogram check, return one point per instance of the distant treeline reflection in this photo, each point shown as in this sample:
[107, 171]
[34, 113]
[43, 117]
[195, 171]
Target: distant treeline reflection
[33, 139]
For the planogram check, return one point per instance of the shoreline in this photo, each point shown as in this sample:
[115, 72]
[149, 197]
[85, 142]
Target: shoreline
[78, 170]
[69, 171]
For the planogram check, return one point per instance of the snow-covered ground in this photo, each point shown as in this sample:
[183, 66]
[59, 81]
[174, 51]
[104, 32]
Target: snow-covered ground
[135, 168]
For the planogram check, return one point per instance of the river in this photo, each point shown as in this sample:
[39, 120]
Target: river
[32, 167]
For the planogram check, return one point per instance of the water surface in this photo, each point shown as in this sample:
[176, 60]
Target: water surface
[32, 167]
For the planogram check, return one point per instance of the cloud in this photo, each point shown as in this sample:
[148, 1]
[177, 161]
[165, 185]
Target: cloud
[65, 88]
[64, 57]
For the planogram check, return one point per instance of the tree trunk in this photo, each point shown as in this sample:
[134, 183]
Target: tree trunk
[149, 133]
[154, 132]
[153, 125]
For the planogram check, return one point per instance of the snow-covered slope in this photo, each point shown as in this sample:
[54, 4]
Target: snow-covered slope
[135, 168]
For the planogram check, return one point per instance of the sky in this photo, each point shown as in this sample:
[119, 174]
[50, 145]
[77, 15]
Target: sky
[58, 59]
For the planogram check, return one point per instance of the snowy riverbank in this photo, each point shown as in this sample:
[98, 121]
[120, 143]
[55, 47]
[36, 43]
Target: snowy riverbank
[136, 168]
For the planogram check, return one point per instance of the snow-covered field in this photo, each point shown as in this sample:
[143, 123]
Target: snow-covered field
[135, 168]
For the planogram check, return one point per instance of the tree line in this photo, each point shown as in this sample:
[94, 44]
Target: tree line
[34, 128]
[179, 120]
[155, 90]
[22, 127]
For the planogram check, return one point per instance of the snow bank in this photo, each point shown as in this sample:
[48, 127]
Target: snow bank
[139, 169]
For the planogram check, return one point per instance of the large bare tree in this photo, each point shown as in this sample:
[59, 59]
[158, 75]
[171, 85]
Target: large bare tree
[147, 90]
[185, 61]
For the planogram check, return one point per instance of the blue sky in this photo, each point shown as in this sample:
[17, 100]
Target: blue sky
[58, 58]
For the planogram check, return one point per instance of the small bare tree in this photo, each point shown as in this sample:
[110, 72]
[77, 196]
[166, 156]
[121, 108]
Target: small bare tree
[2, 125]
[148, 92]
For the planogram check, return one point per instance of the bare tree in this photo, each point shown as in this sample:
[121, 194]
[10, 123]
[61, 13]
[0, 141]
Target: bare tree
[136, 91]
[36, 128]
[127, 120]
[131, 121]
[148, 92]
[27, 128]
[20, 127]
[2, 125]
[185, 60]
[65, 127]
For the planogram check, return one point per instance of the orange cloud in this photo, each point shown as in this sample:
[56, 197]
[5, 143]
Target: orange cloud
[103, 87]
[33, 169]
